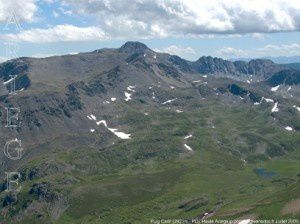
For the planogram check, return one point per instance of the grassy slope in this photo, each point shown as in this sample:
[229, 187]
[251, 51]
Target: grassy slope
[152, 175]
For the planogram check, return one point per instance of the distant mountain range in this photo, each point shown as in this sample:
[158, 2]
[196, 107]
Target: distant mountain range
[278, 60]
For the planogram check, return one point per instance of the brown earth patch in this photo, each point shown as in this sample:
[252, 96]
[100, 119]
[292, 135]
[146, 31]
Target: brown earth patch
[292, 207]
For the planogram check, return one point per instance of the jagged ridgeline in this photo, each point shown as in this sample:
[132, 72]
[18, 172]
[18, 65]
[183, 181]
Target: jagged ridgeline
[121, 135]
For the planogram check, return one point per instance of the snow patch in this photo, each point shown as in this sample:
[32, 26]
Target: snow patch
[275, 108]
[113, 99]
[248, 81]
[288, 128]
[268, 100]
[169, 101]
[188, 147]
[93, 117]
[146, 114]
[153, 95]
[178, 111]
[119, 134]
[205, 76]
[131, 88]
[9, 81]
[128, 96]
[188, 136]
[275, 88]
[298, 108]
[92, 130]
[197, 81]
[172, 87]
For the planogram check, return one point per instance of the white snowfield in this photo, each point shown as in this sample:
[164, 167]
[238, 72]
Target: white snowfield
[275, 108]
[188, 136]
[119, 134]
[288, 128]
[131, 88]
[153, 95]
[275, 88]
[188, 147]
[267, 100]
[8, 81]
[169, 101]
[298, 108]
[93, 117]
[128, 96]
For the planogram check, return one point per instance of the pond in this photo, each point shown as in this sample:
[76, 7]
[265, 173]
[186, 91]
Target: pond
[263, 173]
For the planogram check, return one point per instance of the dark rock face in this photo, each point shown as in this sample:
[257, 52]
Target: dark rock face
[168, 71]
[134, 47]
[13, 67]
[18, 68]
[44, 191]
[182, 64]
[260, 67]
[10, 199]
[236, 90]
[242, 92]
[209, 64]
[287, 77]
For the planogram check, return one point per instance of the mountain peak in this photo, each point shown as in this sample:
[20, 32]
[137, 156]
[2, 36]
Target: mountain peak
[134, 47]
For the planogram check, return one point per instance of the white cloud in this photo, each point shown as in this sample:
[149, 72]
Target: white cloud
[259, 36]
[58, 33]
[287, 50]
[230, 52]
[144, 19]
[185, 52]
[191, 17]
[279, 50]
[23, 11]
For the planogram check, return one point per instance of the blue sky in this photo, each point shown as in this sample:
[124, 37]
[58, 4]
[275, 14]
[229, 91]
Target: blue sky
[190, 28]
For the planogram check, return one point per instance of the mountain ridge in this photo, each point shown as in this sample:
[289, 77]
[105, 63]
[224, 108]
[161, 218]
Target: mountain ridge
[68, 67]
